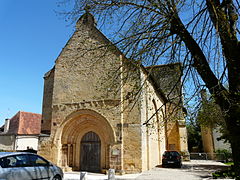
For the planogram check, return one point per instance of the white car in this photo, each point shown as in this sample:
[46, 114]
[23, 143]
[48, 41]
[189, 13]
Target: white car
[27, 166]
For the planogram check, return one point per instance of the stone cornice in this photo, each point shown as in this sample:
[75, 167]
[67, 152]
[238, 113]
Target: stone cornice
[83, 104]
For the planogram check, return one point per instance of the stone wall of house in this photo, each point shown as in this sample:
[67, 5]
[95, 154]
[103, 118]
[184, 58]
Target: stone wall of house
[7, 142]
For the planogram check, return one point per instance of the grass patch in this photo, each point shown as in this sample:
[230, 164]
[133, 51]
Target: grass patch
[229, 173]
[1, 150]
[229, 163]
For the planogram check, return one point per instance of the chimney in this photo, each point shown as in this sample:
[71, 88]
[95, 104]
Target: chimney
[6, 125]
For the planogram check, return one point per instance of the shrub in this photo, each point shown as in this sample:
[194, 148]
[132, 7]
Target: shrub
[227, 154]
[225, 174]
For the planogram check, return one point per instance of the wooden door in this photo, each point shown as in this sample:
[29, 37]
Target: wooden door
[90, 152]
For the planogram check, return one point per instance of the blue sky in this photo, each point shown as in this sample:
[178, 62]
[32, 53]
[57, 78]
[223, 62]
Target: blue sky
[31, 37]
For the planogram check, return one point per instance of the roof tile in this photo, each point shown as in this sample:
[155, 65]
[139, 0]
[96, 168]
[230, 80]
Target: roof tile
[25, 123]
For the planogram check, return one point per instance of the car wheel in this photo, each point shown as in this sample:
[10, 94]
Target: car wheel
[179, 165]
[57, 177]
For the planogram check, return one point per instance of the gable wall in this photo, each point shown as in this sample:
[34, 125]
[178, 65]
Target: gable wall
[85, 75]
[14, 124]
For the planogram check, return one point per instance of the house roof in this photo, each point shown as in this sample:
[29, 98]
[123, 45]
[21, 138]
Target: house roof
[25, 123]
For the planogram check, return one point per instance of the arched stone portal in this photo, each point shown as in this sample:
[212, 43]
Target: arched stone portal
[77, 130]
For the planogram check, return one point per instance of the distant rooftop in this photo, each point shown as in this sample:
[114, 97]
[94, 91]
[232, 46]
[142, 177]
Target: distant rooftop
[25, 123]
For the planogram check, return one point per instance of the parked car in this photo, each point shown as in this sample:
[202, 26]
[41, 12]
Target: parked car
[172, 158]
[27, 166]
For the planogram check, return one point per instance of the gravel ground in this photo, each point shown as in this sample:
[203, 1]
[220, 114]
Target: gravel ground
[195, 169]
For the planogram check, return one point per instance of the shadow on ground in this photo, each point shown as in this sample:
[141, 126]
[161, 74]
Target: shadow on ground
[205, 167]
[190, 170]
[201, 167]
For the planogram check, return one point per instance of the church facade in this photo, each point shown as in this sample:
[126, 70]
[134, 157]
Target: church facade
[102, 111]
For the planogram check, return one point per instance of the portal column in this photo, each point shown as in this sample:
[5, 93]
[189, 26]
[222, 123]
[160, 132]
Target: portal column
[74, 156]
[68, 154]
[64, 156]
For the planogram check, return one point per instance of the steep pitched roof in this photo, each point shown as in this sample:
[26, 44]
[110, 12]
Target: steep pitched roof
[25, 123]
[167, 79]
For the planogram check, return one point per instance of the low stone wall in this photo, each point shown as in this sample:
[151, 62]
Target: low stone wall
[7, 142]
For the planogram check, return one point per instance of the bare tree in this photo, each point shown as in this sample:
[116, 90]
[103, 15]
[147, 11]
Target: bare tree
[202, 35]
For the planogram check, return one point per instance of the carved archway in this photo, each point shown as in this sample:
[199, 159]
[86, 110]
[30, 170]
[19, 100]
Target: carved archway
[75, 127]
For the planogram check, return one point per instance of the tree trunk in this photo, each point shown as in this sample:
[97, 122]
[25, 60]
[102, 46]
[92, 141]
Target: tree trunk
[228, 100]
[232, 120]
[235, 144]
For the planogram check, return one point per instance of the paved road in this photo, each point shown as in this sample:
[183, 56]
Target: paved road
[192, 170]
[189, 171]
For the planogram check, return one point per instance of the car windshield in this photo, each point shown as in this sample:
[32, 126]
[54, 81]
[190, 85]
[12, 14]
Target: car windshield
[171, 153]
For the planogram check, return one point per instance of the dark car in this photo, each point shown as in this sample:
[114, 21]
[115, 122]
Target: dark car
[27, 166]
[172, 158]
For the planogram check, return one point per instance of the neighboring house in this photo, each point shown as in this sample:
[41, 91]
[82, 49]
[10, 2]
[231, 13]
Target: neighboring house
[21, 132]
[96, 102]
[210, 132]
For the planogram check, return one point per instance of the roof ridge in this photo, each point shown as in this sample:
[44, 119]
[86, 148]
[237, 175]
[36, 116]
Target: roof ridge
[162, 65]
[29, 112]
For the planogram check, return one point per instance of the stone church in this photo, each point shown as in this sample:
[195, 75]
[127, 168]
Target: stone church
[101, 110]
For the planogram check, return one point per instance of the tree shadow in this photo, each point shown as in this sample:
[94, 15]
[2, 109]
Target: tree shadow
[203, 167]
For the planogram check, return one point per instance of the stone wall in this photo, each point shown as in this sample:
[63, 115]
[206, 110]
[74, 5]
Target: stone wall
[131, 121]
[7, 142]
[94, 88]
[47, 102]
[167, 79]
[152, 125]
[219, 144]
[86, 79]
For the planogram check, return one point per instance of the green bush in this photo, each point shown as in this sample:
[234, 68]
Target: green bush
[227, 153]
[225, 174]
